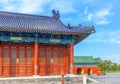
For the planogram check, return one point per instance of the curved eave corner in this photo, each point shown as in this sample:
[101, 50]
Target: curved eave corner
[84, 35]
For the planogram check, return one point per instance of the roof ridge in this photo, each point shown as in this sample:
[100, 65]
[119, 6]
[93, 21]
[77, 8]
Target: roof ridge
[5, 13]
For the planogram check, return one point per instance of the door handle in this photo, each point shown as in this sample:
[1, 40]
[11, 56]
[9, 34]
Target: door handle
[51, 60]
[17, 61]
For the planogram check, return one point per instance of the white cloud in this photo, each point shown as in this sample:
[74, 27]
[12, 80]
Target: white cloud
[67, 19]
[102, 22]
[86, 10]
[24, 6]
[102, 13]
[31, 6]
[90, 16]
[114, 58]
[106, 37]
[36, 6]
[63, 6]
[100, 17]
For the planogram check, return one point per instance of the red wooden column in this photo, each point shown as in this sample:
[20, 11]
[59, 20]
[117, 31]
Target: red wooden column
[36, 48]
[1, 61]
[9, 60]
[66, 59]
[71, 55]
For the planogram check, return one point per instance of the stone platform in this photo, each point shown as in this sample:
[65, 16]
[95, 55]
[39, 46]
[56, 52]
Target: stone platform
[68, 79]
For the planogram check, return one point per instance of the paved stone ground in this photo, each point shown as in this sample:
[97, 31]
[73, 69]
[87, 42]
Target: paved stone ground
[109, 78]
[69, 79]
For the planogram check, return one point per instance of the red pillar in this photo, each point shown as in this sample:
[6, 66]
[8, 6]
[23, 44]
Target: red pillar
[0, 61]
[9, 60]
[66, 60]
[36, 47]
[71, 55]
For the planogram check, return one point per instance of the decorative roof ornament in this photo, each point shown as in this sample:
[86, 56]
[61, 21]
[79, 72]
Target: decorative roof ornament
[69, 26]
[80, 25]
[56, 14]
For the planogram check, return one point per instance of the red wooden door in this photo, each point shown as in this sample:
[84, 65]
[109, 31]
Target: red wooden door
[16, 60]
[45, 60]
[52, 60]
[21, 61]
[49, 61]
[42, 60]
[25, 61]
[56, 65]
[13, 57]
[6, 64]
[29, 61]
[62, 55]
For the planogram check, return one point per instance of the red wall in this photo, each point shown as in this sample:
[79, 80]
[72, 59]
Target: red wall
[95, 69]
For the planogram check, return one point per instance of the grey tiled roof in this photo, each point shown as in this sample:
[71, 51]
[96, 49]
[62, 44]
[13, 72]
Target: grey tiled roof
[34, 23]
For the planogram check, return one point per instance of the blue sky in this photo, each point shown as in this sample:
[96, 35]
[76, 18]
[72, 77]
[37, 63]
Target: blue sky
[103, 14]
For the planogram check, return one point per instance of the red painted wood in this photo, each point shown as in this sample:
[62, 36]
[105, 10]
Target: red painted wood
[21, 62]
[56, 64]
[5, 63]
[1, 60]
[53, 67]
[71, 53]
[9, 61]
[29, 65]
[24, 69]
[67, 60]
[95, 69]
[36, 48]
[15, 69]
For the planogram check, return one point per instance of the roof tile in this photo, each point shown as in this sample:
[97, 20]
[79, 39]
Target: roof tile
[34, 23]
[84, 59]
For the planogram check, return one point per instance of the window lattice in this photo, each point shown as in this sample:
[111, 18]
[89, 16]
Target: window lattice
[13, 56]
[41, 55]
[55, 56]
[5, 55]
[62, 53]
[21, 56]
[48, 55]
[29, 56]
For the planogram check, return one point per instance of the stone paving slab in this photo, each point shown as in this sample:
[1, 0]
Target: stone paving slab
[69, 79]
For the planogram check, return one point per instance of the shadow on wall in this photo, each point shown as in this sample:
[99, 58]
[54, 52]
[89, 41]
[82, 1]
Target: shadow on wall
[80, 71]
[89, 71]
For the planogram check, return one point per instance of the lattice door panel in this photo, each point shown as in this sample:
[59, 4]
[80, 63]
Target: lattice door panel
[13, 55]
[13, 61]
[21, 55]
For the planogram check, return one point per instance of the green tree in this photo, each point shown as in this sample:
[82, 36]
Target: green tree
[107, 65]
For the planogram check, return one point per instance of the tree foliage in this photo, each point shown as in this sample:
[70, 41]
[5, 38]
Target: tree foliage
[107, 65]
